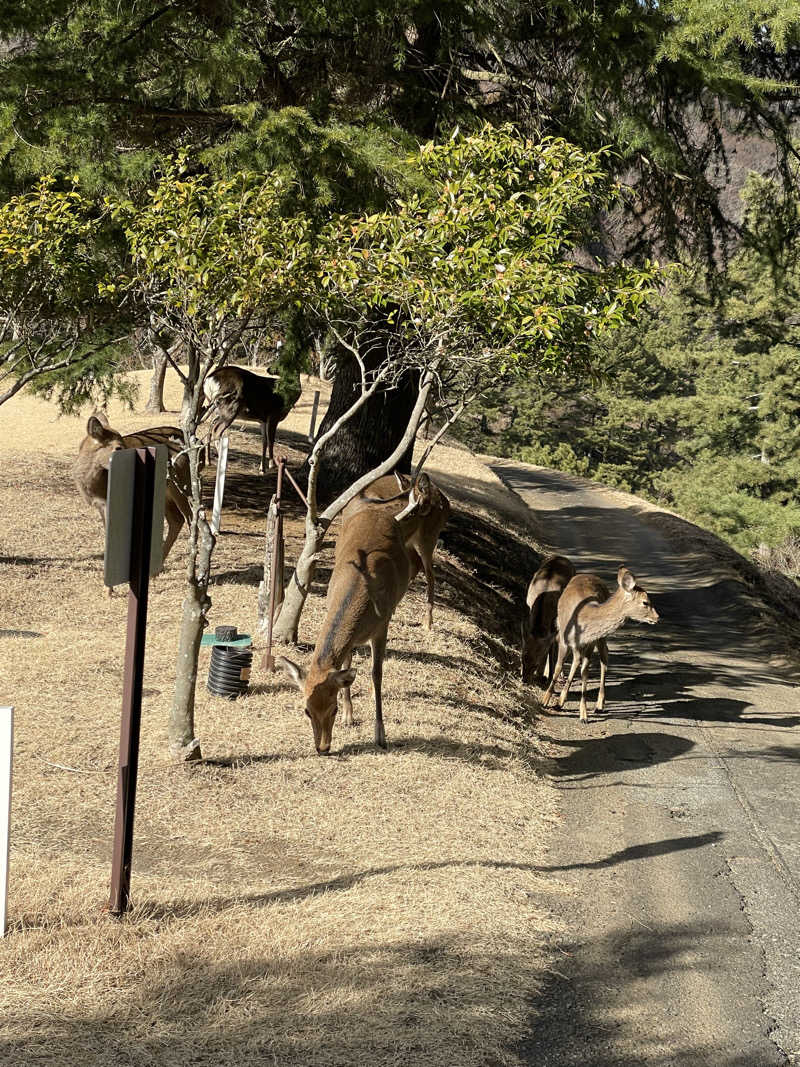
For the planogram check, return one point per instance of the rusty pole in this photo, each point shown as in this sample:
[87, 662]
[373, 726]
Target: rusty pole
[144, 485]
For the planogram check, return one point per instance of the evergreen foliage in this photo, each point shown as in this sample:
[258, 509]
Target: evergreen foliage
[697, 407]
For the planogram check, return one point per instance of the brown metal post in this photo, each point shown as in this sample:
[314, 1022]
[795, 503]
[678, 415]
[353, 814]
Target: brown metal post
[268, 661]
[132, 686]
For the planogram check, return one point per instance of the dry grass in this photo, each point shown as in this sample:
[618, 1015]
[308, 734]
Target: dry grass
[373, 907]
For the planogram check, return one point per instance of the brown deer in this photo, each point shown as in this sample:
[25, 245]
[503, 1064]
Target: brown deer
[91, 469]
[587, 614]
[370, 576]
[237, 393]
[539, 629]
[421, 498]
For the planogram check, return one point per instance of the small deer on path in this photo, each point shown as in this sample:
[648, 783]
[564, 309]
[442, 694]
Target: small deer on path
[539, 626]
[237, 393]
[587, 614]
[431, 510]
[371, 573]
[91, 469]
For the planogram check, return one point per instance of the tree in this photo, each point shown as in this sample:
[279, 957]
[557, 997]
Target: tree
[54, 330]
[697, 406]
[209, 262]
[471, 281]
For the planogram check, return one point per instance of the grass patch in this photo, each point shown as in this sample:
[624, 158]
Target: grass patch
[373, 907]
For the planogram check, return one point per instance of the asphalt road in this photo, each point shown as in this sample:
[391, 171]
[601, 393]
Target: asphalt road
[681, 830]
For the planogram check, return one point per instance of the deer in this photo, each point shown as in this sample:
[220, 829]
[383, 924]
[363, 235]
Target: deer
[371, 573]
[539, 626]
[426, 502]
[91, 469]
[236, 393]
[587, 614]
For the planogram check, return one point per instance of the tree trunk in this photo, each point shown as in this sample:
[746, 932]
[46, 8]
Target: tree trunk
[182, 741]
[369, 436]
[155, 404]
[317, 524]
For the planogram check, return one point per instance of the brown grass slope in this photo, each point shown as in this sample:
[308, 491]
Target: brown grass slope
[373, 907]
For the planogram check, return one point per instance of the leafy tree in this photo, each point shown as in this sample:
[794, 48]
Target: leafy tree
[210, 261]
[54, 330]
[698, 406]
[472, 281]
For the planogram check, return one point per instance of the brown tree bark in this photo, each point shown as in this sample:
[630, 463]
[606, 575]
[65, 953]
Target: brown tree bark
[155, 403]
[370, 435]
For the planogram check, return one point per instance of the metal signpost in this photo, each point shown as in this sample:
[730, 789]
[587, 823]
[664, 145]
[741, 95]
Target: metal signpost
[6, 750]
[134, 532]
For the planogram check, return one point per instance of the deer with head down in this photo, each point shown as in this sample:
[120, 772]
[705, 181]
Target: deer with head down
[91, 469]
[588, 613]
[539, 626]
[420, 497]
[372, 570]
[237, 393]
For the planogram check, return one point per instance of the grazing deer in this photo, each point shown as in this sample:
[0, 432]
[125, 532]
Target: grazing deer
[424, 501]
[587, 614]
[91, 469]
[539, 629]
[370, 577]
[236, 393]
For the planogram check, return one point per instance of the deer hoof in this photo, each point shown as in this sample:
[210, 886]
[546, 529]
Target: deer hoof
[380, 735]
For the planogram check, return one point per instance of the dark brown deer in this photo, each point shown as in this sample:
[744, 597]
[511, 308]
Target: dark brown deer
[237, 393]
[539, 626]
[587, 614]
[91, 469]
[420, 500]
[370, 577]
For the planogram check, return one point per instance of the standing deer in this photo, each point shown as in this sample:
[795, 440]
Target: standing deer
[426, 502]
[587, 614]
[370, 576]
[237, 393]
[91, 469]
[539, 628]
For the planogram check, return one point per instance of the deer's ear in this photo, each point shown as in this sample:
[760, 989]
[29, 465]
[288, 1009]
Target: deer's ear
[626, 579]
[295, 672]
[342, 678]
[97, 429]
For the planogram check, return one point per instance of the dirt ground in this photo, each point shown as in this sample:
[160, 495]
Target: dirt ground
[373, 907]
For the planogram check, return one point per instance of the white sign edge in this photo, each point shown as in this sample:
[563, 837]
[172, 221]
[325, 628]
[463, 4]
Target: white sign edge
[6, 761]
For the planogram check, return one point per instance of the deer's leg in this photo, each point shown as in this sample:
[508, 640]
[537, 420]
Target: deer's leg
[271, 429]
[602, 648]
[572, 671]
[428, 565]
[347, 700]
[175, 520]
[562, 653]
[378, 645]
[263, 467]
[586, 659]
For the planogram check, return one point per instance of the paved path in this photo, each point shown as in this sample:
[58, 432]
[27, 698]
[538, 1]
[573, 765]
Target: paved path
[681, 815]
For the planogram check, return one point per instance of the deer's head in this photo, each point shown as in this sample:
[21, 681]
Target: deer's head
[321, 698]
[637, 602]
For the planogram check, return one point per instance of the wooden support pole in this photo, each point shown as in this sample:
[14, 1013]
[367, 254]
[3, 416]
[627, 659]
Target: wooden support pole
[273, 566]
[144, 484]
[219, 484]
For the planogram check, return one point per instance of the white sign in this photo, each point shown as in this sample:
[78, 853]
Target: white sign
[6, 750]
[219, 485]
[119, 515]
